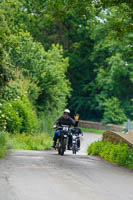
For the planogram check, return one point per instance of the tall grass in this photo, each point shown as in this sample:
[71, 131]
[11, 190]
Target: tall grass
[41, 141]
[3, 144]
[29, 142]
[46, 122]
[37, 141]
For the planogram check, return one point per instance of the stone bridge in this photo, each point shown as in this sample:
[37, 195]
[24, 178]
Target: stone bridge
[117, 137]
[112, 132]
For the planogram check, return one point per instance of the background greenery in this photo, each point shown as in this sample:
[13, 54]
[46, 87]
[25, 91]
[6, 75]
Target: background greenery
[70, 53]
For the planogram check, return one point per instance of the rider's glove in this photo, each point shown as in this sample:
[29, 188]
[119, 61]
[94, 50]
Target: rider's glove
[54, 126]
[76, 117]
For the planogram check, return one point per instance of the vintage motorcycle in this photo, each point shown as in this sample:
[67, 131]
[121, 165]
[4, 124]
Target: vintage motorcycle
[62, 140]
[76, 139]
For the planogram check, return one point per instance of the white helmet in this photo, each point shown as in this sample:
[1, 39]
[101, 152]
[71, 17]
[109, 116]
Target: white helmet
[67, 111]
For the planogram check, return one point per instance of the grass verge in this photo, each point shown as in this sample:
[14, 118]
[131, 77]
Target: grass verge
[29, 142]
[120, 153]
[41, 141]
[90, 130]
[3, 144]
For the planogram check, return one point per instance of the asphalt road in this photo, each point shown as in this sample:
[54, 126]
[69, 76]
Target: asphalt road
[34, 175]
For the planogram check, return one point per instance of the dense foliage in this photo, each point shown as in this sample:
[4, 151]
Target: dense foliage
[120, 153]
[33, 81]
[46, 45]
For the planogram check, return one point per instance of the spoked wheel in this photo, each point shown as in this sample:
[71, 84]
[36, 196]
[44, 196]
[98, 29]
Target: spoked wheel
[62, 151]
[74, 149]
[59, 147]
[62, 148]
[59, 151]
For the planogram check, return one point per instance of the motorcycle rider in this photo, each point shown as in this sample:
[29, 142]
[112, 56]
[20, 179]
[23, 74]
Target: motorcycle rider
[65, 120]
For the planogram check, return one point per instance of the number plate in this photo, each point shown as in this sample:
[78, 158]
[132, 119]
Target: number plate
[74, 137]
[65, 128]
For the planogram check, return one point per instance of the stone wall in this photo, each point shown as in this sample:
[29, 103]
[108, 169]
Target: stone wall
[112, 132]
[89, 124]
[117, 137]
[115, 128]
[102, 126]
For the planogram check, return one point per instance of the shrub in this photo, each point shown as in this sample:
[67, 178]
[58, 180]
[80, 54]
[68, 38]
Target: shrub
[120, 153]
[27, 114]
[18, 116]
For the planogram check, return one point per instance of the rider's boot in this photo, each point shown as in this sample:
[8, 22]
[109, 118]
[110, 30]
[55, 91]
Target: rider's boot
[54, 144]
[69, 147]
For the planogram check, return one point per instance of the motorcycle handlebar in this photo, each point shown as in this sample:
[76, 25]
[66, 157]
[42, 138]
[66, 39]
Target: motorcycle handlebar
[60, 127]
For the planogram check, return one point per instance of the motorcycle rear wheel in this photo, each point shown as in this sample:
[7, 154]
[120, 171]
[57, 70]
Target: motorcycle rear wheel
[74, 149]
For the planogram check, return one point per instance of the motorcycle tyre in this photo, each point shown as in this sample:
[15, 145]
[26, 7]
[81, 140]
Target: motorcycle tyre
[74, 149]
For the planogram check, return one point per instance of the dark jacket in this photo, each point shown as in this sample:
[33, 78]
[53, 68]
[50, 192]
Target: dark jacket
[69, 121]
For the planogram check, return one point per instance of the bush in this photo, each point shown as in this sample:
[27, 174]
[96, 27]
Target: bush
[120, 153]
[18, 116]
[27, 114]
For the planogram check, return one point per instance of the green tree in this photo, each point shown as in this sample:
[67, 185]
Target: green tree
[45, 69]
[120, 16]
[95, 36]
[113, 113]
